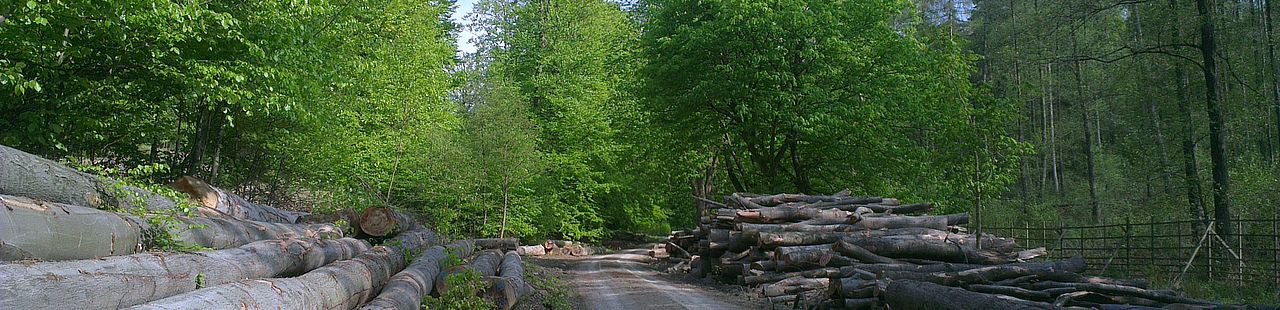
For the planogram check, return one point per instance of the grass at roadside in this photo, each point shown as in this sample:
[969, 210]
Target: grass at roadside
[550, 289]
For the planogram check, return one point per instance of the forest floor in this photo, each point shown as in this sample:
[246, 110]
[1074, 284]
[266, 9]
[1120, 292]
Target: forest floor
[627, 279]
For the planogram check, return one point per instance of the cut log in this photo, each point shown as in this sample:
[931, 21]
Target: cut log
[773, 200]
[727, 240]
[383, 221]
[931, 249]
[796, 285]
[507, 288]
[531, 250]
[939, 222]
[774, 277]
[405, 290]
[856, 252]
[908, 294]
[1018, 292]
[673, 248]
[860, 303]
[989, 274]
[788, 214]
[1072, 265]
[791, 238]
[340, 285]
[231, 204]
[33, 229]
[740, 201]
[485, 264]
[505, 244]
[122, 281]
[26, 175]
[852, 287]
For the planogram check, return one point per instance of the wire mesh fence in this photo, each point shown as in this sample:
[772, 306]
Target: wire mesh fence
[1173, 250]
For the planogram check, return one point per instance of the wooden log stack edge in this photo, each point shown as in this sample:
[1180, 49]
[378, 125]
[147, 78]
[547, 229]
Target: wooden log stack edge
[847, 252]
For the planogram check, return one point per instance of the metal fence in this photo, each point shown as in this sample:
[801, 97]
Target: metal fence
[1171, 251]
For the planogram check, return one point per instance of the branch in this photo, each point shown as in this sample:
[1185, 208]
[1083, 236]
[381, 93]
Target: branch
[1110, 57]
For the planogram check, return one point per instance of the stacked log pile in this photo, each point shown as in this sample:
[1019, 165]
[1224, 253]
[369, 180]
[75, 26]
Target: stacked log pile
[847, 252]
[558, 248]
[66, 243]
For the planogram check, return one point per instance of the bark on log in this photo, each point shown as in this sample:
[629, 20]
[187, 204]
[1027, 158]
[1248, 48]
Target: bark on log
[852, 287]
[27, 175]
[773, 200]
[939, 222]
[908, 295]
[856, 252]
[1072, 265]
[673, 248]
[340, 285]
[788, 214]
[931, 249]
[231, 204]
[883, 209]
[796, 285]
[860, 303]
[384, 221]
[771, 239]
[727, 240]
[1018, 292]
[989, 274]
[122, 281]
[531, 250]
[774, 277]
[485, 264]
[505, 244]
[405, 290]
[507, 288]
[52, 231]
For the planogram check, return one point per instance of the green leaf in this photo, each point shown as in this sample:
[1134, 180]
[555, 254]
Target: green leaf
[31, 4]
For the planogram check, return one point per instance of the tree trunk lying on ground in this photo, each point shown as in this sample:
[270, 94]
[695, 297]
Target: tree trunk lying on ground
[122, 281]
[384, 221]
[231, 204]
[507, 288]
[989, 274]
[859, 223]
[339, 285]
[27, 175]
[405, 289]
[505, 244]
[908, 295]
[531, 250]
[51, 231]
[792, 286]
[772, 239]
[485, 264]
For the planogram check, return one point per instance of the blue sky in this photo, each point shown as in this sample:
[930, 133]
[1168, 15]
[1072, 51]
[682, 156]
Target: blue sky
[464, 37]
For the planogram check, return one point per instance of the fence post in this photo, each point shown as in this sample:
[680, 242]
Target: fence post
[1151, 242]
[1128, 248]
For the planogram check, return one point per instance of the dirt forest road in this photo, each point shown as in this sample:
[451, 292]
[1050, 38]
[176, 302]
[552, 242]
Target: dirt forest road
[626, 281]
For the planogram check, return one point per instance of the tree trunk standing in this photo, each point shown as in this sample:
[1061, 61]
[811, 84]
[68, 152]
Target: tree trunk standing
[1217, 124]
[1275, 66]
[1053, 137]
[1191, 162]
[1165, 177]
[502, 233]
[1095, 209]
